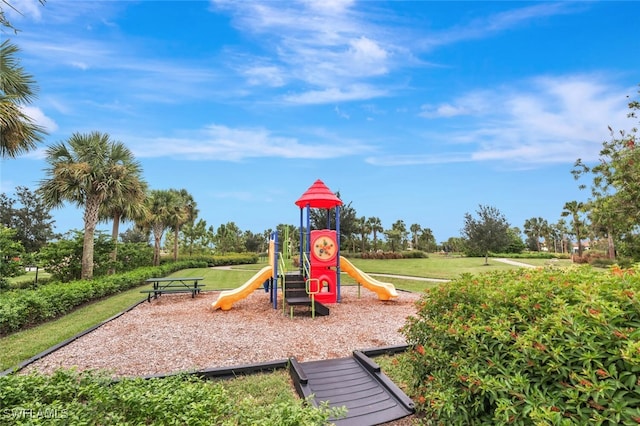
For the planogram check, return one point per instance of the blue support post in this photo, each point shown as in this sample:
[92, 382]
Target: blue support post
[301, 266]
[308, 243]
[274, 278]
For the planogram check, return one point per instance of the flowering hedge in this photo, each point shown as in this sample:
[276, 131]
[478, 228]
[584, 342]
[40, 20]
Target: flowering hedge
[529, 347]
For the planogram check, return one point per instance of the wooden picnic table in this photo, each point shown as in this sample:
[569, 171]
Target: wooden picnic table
[173, 285]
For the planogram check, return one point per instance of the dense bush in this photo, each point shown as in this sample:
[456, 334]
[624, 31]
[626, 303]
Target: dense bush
[414, 254]
[67, 398]
[27, 307]
[220, 260]
[10, 253]
[408, 254]
[29, 282]
[63, 259]
[522, 347]
[132, 256]
[533, 255]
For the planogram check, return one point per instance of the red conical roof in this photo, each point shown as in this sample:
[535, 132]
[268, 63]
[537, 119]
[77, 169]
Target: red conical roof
[318, 196]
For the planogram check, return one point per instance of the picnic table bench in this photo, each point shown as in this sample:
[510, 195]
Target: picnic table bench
[173, 285]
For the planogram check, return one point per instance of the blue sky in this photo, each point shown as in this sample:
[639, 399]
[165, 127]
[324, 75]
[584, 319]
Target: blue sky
[412, 110]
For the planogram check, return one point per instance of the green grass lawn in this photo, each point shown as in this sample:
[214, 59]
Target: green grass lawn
[435, 266]
[20, 346]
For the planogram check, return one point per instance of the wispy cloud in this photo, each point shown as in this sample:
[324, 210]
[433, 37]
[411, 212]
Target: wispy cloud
[333, 44]
[335, 94]
[40, 118]
[23, 9]
[223, 143]
[493, 24]
[322, 44]
[419, 159]
[541, 121]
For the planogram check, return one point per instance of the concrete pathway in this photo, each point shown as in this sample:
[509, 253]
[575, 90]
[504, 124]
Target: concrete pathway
[513, 262]
[408, 277]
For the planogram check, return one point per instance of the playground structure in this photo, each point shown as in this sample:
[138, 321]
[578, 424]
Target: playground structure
[318, 280]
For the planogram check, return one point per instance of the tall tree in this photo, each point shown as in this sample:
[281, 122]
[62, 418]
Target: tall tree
[488, 232]
[326, 219]
[427, 240]
[125, 203]
[228, 238]
[397, 235]
[195, 236]
[87, 171]
[375, 225]
[253, 242]
[615, 188]
[415, 229]
[515, 240]
[18, 132]
[364, 231]
[159, 208]
[604, 219]
[563, 231]
[574, 209]
[30, 219]
[535, 228]
[184, 211]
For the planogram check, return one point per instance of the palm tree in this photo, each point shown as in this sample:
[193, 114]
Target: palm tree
[18, 132]
[127, 203]
[415, 229]
[535, 228]
[375, 225]
[561, 226]
[573, 209]
[401, 234]
[184, 211]
[160, 207]
[89, 172]
[363, 228]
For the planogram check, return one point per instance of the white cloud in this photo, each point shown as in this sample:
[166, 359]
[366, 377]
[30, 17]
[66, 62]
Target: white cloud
[272, 76]
[223, 143]
[340, 113]
[40, 118]
[334, 94]
[544, 120]
[320, 44]
[418, 159]
[490, 25]
[475, 103]
[23, 9]
[331, 7]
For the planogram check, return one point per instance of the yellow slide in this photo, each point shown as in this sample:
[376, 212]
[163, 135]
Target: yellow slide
[228, 297]
[385, 291]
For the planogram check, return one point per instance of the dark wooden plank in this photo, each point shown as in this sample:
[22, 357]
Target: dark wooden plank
[356, 384]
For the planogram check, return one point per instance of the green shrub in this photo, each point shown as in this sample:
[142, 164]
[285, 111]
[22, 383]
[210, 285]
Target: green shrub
[132, 255]
[529, 347]
[68, 397]
[414, 254]
[382, 255]
[218, 260]
[63, 258]
[26, 307]
[532, 255]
